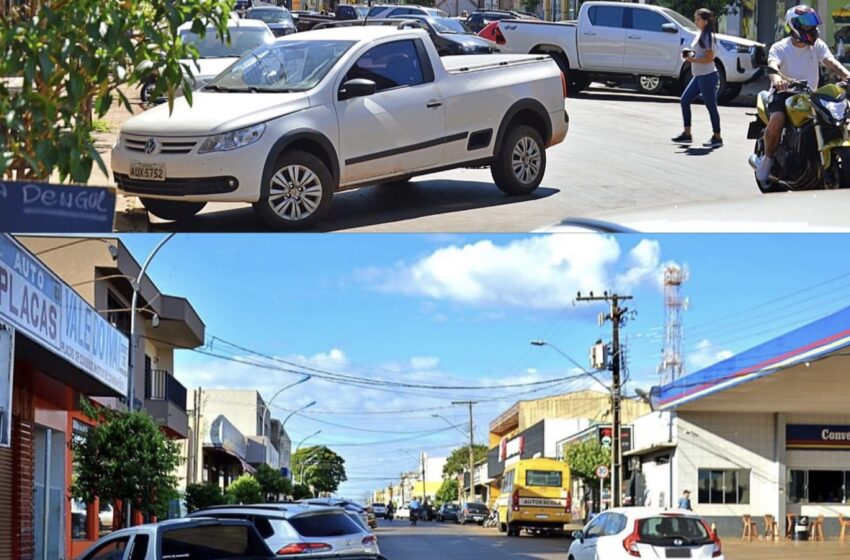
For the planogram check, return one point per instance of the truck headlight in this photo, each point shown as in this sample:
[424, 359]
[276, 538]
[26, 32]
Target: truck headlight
[232, 140]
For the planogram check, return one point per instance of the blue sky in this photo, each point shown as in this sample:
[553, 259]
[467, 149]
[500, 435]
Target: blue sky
[460, 310]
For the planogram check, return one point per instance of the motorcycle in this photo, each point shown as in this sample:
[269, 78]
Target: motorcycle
[814, 150]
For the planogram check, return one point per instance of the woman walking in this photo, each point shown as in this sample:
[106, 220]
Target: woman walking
[705, 79]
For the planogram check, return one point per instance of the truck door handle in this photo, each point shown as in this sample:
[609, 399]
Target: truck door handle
[434, 104]
[634, 37]
[589, 34]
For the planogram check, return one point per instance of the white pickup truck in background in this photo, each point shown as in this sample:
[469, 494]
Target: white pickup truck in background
[316, 112]
[615, 41]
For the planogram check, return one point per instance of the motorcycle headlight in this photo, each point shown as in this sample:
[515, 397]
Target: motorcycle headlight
[232, 140]
[838, 109]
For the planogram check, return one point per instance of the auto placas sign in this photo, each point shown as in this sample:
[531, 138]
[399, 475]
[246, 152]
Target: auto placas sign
[42, 307]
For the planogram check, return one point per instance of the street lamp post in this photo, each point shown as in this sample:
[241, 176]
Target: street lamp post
[297, 447]
[294, 412]
[572, 361]
[267, 408]
[131, 385]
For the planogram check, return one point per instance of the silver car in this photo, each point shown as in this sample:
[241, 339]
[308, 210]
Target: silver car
[296, 529]
[183, 538]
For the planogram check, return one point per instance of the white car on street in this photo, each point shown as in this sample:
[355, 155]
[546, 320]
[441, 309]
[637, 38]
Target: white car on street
[214, 53]
[403, 512]
[636, 532]
[317, 112]
[615, 40]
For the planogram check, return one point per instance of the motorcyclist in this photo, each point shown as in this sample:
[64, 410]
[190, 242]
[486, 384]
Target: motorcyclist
[797, 57]
[415, 507]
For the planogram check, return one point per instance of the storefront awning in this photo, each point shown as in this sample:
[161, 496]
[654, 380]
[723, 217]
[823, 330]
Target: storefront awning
[804, 370]
[246, 467]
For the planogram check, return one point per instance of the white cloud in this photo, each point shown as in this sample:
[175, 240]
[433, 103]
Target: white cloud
[424, 362]
[538, 272]
[706, 354]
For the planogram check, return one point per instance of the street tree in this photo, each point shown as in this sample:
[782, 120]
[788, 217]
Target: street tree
[301, 492]
[585, 457]
[272, 483]
[66, 77]
[244, 490]
[448, 491]
[458, 460]
[200, 496]
[319, 467]
[124, 456]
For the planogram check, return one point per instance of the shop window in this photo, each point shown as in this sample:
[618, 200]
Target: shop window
[723, 486]
[117, 315]
[826, 487]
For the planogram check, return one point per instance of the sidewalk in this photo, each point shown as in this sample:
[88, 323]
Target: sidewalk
[785, 550]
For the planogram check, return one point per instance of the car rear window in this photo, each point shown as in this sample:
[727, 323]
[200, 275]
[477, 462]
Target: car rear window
[663, 530]
[324, 525]
[210, 542]
[476, 508]
[544, 478]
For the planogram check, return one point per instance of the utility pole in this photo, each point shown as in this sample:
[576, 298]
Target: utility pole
[422, 459]
[471, 493]
[617, 316]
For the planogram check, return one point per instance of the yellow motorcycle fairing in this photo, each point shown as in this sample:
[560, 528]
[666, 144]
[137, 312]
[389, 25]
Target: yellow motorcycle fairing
[761, 106]
[798, 109]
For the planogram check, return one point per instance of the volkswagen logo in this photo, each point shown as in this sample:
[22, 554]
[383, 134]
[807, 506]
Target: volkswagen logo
[678, 542]
[151, 146]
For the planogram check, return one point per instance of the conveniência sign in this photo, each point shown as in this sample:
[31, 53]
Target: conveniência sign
[817, 436]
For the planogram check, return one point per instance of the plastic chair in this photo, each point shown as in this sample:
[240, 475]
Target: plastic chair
[750, 528]
[790, 519]
[770, 527]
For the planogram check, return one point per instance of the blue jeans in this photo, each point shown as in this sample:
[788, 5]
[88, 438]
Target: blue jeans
[707, 87]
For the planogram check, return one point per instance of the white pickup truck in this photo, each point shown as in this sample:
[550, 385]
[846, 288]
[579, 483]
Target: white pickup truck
[321, 111]
[613, 41]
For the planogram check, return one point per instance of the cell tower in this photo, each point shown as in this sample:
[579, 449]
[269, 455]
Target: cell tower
[672, 361]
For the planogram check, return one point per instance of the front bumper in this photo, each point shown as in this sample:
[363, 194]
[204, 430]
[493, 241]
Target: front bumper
[233, 176]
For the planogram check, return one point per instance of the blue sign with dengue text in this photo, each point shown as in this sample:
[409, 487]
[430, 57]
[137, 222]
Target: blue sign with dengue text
[46, 208]
[817, 436]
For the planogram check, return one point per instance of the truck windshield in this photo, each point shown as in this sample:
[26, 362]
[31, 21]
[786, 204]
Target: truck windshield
[680, 19]
[284, 66]
[241, 41]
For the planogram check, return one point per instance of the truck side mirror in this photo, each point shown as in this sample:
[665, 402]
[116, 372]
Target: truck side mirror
[357, 88]
[670, 28]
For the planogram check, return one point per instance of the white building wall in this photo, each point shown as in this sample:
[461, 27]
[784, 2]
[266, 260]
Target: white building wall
[728, 441]
[559, 429]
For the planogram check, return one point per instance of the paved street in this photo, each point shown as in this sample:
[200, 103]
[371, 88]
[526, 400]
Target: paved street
[616, 156]
[400, 541]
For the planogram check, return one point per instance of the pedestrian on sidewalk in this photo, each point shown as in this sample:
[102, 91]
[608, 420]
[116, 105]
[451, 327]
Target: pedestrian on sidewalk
[705, 79]
[685, 501]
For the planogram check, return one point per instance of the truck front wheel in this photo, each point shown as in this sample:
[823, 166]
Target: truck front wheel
[298, 194]
[520, 162]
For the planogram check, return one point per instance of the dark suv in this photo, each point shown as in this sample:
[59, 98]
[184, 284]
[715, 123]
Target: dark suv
[473, 513]
[479, 20]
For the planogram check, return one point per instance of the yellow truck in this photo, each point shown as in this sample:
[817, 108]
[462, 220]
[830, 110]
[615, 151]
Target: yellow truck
[535, 496]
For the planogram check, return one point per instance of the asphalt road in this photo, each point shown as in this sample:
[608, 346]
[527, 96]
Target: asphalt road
[617, 155]
[449, 541]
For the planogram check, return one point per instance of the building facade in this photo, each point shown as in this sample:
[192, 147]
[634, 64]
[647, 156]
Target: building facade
[764, 432]
[54, 349]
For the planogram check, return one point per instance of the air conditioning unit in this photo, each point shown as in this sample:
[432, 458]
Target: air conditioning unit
[599, 356]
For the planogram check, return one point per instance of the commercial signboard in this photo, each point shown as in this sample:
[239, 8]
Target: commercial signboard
[817, 436]
[40, 306]
[32, 207]
[511, 448]
[224, 435]
[604, 434]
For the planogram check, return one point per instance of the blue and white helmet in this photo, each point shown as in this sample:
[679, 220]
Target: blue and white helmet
[802, 23]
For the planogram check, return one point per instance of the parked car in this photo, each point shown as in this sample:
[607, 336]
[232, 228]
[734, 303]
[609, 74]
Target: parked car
[403, 512]
[293, 529]
[182, 538]
[478, 20]
[366, 518]
[447, 512]
[278, 19]
[333, 109]
[392, 10]
[613, 41]
[343, 12]
[450, 37]
[635, 532]
[214, 54]
[380, 510]
[473, 513]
